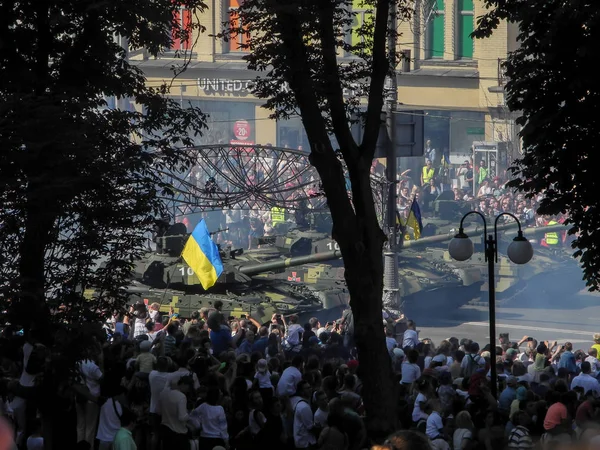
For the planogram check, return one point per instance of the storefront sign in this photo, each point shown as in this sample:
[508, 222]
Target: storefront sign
[225, 86]
[241, 130]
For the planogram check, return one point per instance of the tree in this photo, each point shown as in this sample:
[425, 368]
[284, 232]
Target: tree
[552, 84]
[309, 53]
[79, 181]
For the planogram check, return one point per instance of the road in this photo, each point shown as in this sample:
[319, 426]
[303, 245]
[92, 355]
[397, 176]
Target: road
[553, 306]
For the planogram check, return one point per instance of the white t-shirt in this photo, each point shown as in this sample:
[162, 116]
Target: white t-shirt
[411, 339]
[390, 343]
[417, 413]
[91, 374]
[288, 382]
[109, 422]
[410, 372]
[459, 436]
[320, 418]
[293, 334]
[435, 425]
[158, 381]
[303, 423]
[594, 363]
[264, 379]
[587, 382]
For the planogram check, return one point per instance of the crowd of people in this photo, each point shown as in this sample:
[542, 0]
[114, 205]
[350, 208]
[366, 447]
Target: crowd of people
[214, 382]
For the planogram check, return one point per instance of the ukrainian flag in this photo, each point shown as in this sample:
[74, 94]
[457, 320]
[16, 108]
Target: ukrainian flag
[414, 219]
[202, 255]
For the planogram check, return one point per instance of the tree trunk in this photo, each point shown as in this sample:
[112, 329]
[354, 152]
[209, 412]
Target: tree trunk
[31, 308]
[364, 276]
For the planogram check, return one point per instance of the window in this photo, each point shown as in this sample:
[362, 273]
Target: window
[183, 17]
[434, 44]
[240, 38]
[363, 14]
[464, 43]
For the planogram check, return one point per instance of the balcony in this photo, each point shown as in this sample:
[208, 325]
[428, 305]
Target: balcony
[502, 78]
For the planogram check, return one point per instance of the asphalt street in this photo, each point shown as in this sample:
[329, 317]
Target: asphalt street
[553, 306]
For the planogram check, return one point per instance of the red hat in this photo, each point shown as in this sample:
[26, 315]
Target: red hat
[352, 364]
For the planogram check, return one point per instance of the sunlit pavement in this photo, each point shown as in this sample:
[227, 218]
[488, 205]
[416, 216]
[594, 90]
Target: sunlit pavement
[553, 306]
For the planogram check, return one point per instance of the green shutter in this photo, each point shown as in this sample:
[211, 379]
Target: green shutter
[465, 5]
[465, 42]
[436, 37]
[465, 28]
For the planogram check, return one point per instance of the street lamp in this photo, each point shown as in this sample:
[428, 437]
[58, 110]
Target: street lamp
[519, 251]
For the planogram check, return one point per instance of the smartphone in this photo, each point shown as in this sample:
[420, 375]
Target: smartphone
[243, 316]
[529, 339]
[278, 316]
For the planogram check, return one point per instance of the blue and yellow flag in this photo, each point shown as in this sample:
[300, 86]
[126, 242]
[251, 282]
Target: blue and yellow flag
[202, 255]
[414, 219]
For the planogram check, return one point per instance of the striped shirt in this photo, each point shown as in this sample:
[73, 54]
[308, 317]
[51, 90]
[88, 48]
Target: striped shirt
[169, 345]
[520, 438]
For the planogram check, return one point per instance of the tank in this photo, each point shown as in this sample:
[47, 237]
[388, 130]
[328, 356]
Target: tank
[248, 286]
[268, 280]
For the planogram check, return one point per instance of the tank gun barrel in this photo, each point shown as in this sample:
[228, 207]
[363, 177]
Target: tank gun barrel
[289, 262]
[335, 254]
[473, 231]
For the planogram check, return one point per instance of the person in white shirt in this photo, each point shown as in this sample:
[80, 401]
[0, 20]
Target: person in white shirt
[87, 411]
[390, 340]
[293, 332]
[288, 383]
[411, 336]
[435, 426]
[262, 380]
[411, 372]
[585, 380]
[110, 421]
[303, 417]
[322, 412]
[174, 414]
[213, 422]
[158, 379]
[593, 360]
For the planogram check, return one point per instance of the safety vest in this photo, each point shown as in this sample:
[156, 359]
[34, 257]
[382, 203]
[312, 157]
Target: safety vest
[277, 215]
[551, 237]
[427, 174]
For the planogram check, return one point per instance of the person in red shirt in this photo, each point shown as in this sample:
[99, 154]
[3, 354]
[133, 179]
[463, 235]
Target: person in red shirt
[557, 421]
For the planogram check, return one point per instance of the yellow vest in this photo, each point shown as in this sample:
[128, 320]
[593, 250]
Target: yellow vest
[551, 237]
[277, 215]
[427, 174]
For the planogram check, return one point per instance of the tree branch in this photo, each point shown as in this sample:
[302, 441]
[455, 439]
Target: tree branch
[381, 67]
[297, 71]
[333, 85]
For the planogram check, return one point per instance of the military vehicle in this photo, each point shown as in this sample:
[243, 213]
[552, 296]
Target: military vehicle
[163, 277]
[426, 270]
[265, 281]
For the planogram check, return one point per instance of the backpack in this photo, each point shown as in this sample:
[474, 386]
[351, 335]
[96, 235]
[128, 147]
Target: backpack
[472, 366]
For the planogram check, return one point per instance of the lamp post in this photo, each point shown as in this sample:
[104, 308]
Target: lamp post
[519, 251]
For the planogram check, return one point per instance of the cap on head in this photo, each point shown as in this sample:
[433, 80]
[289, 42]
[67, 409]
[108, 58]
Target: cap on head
[398, 352]
[145, 346]
[261, 365]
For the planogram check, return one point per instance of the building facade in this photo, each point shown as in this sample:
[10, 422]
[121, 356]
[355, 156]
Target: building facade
[455, 80]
